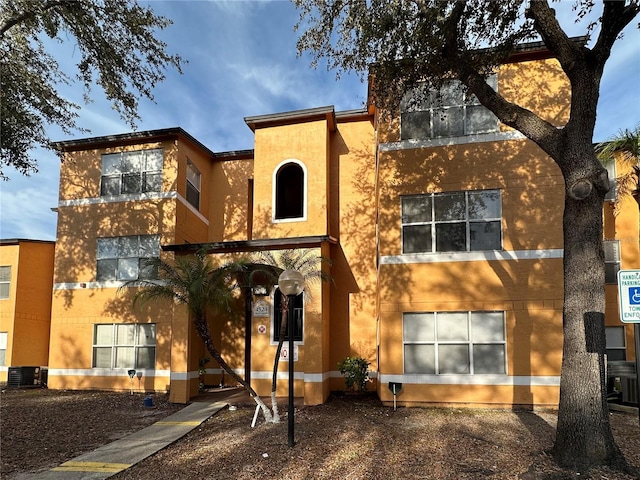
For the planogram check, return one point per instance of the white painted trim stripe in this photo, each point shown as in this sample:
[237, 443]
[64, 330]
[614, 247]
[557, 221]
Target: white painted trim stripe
[184, 375]
[492, 255]
[193, 210]
[104, 372]
[90, 285]
[493, 380]
[443, 142]
[78, 202]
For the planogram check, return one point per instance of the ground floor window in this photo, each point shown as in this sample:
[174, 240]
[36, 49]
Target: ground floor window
[441, 343]
[616, 343]
[297, 315]
[124, 346]
[3, 348]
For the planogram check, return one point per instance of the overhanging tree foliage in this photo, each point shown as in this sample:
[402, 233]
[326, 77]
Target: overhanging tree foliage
[408, 41]
[624, 147]
[116, 47]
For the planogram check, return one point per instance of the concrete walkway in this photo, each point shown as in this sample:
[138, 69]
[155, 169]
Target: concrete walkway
[114, 457]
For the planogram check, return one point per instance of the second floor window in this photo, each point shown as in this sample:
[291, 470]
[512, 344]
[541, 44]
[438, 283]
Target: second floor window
[126, 258]
[289, 191]
[449, 112]
[193, 185]
[5, 282]
[131, 172]
[452, 222]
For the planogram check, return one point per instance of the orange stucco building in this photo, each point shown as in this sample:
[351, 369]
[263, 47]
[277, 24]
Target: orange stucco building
[442, 225]
[26, 279]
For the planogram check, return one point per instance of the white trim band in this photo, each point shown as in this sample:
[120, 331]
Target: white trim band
[138, 197]
[132, 197]
[104, 372]
[443, 142]
[489, 380]
[491, 255]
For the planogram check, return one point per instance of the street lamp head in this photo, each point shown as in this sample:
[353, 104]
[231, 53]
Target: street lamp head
[291, 282]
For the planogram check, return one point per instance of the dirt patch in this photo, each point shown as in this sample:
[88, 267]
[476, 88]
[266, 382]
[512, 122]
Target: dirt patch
[41, 428]
[347, 438]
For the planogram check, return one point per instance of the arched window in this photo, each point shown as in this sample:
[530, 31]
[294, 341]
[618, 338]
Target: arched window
[289, 190]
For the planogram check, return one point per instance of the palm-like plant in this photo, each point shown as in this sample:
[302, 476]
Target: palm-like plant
[624, 147]
[309, 265]
[202, 286]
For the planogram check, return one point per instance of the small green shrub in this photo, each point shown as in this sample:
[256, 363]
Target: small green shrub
[356, 372]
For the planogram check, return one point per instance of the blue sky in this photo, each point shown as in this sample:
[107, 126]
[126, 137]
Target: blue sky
[243, 62]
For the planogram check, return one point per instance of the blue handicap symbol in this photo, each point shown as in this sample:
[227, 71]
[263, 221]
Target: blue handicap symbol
[634, 295]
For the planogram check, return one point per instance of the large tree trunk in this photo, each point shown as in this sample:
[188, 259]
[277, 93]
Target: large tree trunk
[202, 327]
[583, 436]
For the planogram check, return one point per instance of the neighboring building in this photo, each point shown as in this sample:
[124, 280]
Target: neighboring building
[26, 278]
[443, 227]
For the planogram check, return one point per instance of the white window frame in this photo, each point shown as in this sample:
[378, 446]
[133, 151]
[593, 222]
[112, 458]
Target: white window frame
[136, 345]
[433, 222]
[611, 261]
[5, 282]
[4, 338]
[122, 258]
[437, 105]
[274, 191]
[612, 194]
[272, 335]
[194, 180]
[611, 338]
[440, 344]
[116, 166]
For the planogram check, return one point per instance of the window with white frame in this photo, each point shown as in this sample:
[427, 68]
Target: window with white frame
[449, 112]
[298, 313]
[5, 282]
[442, 343]
[289, 191]
[124, 345]
[193, 185]
[452, 222]
[612, 194]
[3, 348]
[611, 261]
[127, 258]
[616, 343]
[133, 172]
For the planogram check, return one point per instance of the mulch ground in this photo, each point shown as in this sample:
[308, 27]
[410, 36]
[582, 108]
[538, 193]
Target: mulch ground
[347, 438]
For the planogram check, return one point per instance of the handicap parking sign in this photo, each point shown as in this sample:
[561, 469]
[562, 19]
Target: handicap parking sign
[634, 295]
[629, 295]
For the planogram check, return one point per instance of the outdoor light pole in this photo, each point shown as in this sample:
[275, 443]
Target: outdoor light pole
[291, 284]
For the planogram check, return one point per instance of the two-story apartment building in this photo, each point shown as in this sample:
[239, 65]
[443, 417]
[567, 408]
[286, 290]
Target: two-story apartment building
[442, 225]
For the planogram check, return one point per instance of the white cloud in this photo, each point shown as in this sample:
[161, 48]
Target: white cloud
[26, 212]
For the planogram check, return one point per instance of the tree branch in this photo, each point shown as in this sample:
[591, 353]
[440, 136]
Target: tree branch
[615, 17]
[553, 36]
[21, 17]
[528, 123]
